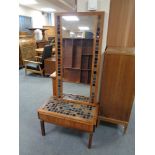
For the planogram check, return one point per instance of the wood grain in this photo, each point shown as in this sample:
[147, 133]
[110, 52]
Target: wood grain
[118, 84]
[121, 27]
[49, 66]
[27, 46]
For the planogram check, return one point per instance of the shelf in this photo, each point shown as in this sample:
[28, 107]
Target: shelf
[77, 57]
[78, 68]
[71, 68]
[87, 54]
[86, 69]
[72, 75]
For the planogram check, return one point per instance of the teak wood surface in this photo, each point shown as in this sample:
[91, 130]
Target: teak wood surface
[121, 25]
[118, 85]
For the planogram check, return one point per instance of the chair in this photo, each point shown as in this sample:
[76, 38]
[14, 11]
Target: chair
[27, 46]
[37, 65]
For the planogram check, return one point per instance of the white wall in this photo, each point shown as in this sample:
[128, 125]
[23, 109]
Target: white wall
[53, 19]
[38, 20]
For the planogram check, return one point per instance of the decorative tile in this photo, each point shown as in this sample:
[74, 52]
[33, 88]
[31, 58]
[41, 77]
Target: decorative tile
[69, 108]
[75, 97]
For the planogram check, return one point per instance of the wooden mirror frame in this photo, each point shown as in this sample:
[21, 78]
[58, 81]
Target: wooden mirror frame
[84, 117]
[97, 45]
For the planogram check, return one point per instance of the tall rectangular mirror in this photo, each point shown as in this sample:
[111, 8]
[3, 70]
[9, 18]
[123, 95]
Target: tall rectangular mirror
[78, 46]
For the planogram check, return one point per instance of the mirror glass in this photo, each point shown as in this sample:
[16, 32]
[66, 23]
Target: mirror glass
[78, 34]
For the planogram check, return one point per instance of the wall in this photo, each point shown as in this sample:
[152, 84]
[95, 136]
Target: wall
[38, 20]
[52, 19]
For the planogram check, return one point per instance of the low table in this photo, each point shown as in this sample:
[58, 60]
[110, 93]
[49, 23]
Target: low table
[70, 114]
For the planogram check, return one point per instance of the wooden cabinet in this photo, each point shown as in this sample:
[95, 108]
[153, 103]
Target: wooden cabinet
[121, 27]
[118, 73]
[27, 46]
[49, 66]
[117, 85]
[77, 59]
[50, 32]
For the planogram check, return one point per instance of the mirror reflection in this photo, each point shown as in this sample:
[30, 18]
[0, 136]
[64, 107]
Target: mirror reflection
[78, 36]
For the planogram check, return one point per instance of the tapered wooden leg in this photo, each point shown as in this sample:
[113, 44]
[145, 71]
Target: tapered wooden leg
[125, 129]
[90, 140]
[42, 128]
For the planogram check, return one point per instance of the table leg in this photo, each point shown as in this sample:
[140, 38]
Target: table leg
[42, 127]
[90, 140]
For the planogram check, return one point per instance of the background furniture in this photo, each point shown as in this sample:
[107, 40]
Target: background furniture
[37, 65]
[39, 51]
[50, 35]
[117, 85]
[42, 30]
[50, 32]
[49, 65]
[27, 46]
[77, 59]
[42, 43]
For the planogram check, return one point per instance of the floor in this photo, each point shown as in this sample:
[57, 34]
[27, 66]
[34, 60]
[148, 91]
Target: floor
[107, 140]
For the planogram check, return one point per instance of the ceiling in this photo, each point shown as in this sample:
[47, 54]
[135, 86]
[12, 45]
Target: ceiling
[62, 6]
[58, 5]
[83, 21]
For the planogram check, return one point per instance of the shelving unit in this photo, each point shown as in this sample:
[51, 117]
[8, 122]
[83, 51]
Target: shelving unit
[77, 59]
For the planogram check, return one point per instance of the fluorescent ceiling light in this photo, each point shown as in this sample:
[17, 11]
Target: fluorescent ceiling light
[83, 27]
[79, 36]
[63, 28]
[48, 9]
[72, 33]
[26, 2]
[70, 18]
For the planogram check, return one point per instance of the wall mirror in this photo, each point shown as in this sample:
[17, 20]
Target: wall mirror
[78, 46]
